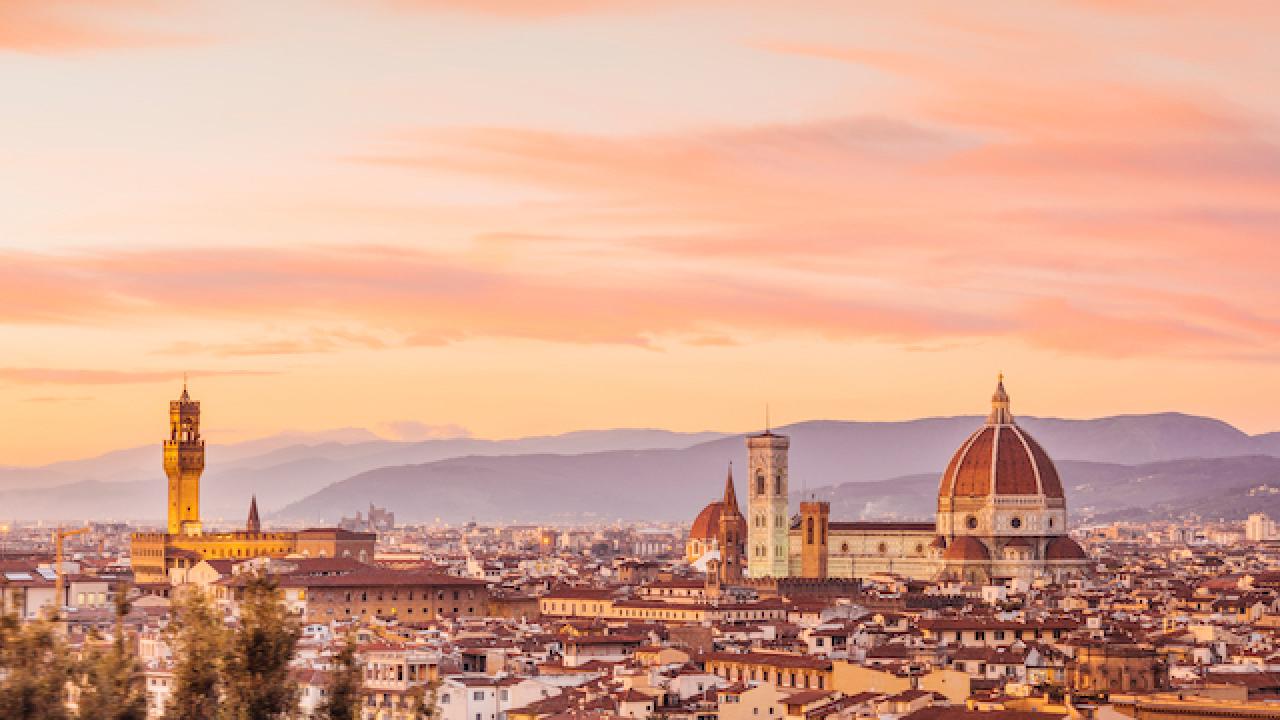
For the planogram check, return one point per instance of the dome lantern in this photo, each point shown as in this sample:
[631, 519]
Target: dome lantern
[1000, 414]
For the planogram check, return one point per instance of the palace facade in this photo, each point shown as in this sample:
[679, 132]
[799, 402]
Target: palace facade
[1001, 515]
[185, 543]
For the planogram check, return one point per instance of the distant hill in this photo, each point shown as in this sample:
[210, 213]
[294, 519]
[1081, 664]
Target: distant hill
[886, 469]
[279, 469]
[1215, 488]
[1107, 464]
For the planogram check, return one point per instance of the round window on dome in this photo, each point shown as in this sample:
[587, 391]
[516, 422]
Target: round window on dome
[971, 522]
[1016, 523]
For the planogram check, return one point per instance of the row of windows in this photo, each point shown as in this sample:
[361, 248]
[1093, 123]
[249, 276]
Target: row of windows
[778, 484]
[760, 521]
[762, 551]
[999, 634]
[379, 611]
[350, 595]
[782, 679]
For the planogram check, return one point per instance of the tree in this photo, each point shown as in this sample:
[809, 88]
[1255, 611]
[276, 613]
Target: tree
[258, 685]
[113, 684]
[343, 693]
[198, 639]
[424, 705]
[36, 670]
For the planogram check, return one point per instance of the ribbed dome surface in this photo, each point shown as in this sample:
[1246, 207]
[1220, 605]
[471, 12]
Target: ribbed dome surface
[1000, 460]
[707, 525]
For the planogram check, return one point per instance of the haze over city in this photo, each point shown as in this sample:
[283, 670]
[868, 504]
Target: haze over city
[639, 360]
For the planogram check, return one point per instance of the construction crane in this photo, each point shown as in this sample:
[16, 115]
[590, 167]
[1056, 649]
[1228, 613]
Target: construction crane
[59, 582]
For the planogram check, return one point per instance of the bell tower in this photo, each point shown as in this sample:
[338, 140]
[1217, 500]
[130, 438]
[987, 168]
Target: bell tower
[768, 524]
[730, 534]
[184, 463]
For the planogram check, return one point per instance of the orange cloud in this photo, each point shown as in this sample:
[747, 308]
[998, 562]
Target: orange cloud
[56, 26]
[404, 297]
[63, 376]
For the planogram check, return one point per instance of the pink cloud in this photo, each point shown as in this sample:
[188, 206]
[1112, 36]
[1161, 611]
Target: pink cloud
[59, 26]
[80, 376]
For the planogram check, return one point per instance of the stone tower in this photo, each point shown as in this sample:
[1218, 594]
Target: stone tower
[768, 524]
[731, 532]
[184, 463]
[814, 516]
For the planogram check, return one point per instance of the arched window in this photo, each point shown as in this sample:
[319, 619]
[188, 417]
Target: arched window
[808, 532]
[759, 483]
[777, 484]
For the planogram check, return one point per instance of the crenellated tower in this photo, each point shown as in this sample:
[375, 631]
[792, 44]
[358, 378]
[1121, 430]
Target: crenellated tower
[183, 464]
[768, 524]
[815, 518]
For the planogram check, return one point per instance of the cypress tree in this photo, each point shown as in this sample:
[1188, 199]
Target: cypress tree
[342, 700]
[198, 639]
[36, 671]
[258, 685]
[113, 688]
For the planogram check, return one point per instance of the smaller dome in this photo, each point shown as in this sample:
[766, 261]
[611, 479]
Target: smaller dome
[966, 548]
[1064, 548]
[707, 525]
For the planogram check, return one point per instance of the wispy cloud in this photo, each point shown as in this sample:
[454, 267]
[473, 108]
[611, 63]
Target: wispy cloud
[81, 376]
[65, 26]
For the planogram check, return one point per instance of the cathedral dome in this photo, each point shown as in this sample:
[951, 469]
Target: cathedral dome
[1000, 458]
[966, 549]
[707, 525]
[1064, 548]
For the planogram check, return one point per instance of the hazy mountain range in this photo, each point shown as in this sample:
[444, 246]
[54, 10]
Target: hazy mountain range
[1126, 466]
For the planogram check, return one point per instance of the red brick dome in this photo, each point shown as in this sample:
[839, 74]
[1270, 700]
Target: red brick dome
[1064, 548]
[964, 548]
[707, 525]
[1000, 458]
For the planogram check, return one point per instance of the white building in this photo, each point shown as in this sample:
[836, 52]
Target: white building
[1259, 527]
[481, 697]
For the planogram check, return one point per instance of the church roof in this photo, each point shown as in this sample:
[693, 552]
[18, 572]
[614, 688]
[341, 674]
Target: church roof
[1064, 548]
[1000, 458]
[707, 525]
[253, 524]
[964, 547]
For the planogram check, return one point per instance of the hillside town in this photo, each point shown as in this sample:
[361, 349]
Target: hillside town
[1001, 609]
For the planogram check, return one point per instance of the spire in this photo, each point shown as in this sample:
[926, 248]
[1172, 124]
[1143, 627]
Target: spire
[1000, 414]
[730, 495]
[185, 396]
[253, 525]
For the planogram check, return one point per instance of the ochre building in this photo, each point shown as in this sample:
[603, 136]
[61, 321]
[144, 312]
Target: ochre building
[184, 542]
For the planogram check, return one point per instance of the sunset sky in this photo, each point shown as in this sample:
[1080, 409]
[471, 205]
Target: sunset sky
[513, 217]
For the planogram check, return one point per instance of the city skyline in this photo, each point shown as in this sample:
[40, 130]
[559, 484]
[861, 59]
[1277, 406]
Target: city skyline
[507, 219]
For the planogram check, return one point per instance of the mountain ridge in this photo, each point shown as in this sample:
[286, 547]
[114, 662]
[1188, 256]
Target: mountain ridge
[825, 453]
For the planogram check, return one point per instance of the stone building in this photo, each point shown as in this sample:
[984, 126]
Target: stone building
[185, 543]
[1001, 515]
[1110, 667]
[718, 536]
